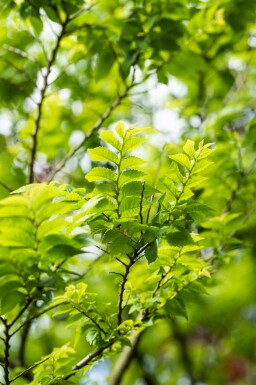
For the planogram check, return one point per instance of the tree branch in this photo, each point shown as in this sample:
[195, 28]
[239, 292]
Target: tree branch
[122, 290]
[95, 128]
[90, 357]
[7, 346]
[25, 372]
[125, 359]
[46, 310]
[42, 98]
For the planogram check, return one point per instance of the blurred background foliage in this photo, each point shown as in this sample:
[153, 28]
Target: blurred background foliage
[72, 67]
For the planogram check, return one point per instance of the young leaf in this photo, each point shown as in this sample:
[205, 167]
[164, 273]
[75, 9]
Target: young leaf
[189, 148]
[132, 144]
[110, 138]
[103, 154]
[100, 173]
[181, 159]
[132, 162]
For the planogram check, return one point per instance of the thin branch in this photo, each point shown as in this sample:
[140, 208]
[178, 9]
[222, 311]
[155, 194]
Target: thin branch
[7, 347]
[5, 186]
[114, 272]
[122, 290]
[40, 104]
[94, 129]
[22, 374]
[91, 319]
[81, 11]
[122, 262]
[141, 202]
[29, 301]
[46, 310]
[105, 116]
[89, 358]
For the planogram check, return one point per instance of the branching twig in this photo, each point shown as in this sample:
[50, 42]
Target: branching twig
[95, 128]
[40, 104]
[89, 358]
[22, 374]
[45, 310]
[91, 319]
[122, 290]
[29, 301]
[104, 117]
[7, 346]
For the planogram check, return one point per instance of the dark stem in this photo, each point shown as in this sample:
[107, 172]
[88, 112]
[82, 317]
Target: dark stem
[90, 357]
[6, 364]
[42, 98]
[122, 290]
[29, 301]
[141, 202]
[27, 371]
[92, 320]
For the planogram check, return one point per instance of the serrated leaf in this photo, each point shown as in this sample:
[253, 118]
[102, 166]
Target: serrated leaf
[15, 237]
[110, 138]
[176, 307]
[131, 189]
[130, 206]
[100, 173]
[179, 238]
[129, 175]
[91, 336]
[181, 159]
[132, 144]
[103, 154]
[132, 162]
[121, 245]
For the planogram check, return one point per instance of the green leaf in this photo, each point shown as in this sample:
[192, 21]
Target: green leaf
[100, 173]
[181, 159]
[132, 144]
[151, 252]
[120, 129]
[179, 238]
[132, 162]
[176, 307]
[130, 206]
[103, 154]
[110, 138]
[129, 175]
[15, 237]
[189, 148]
[201, 166]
